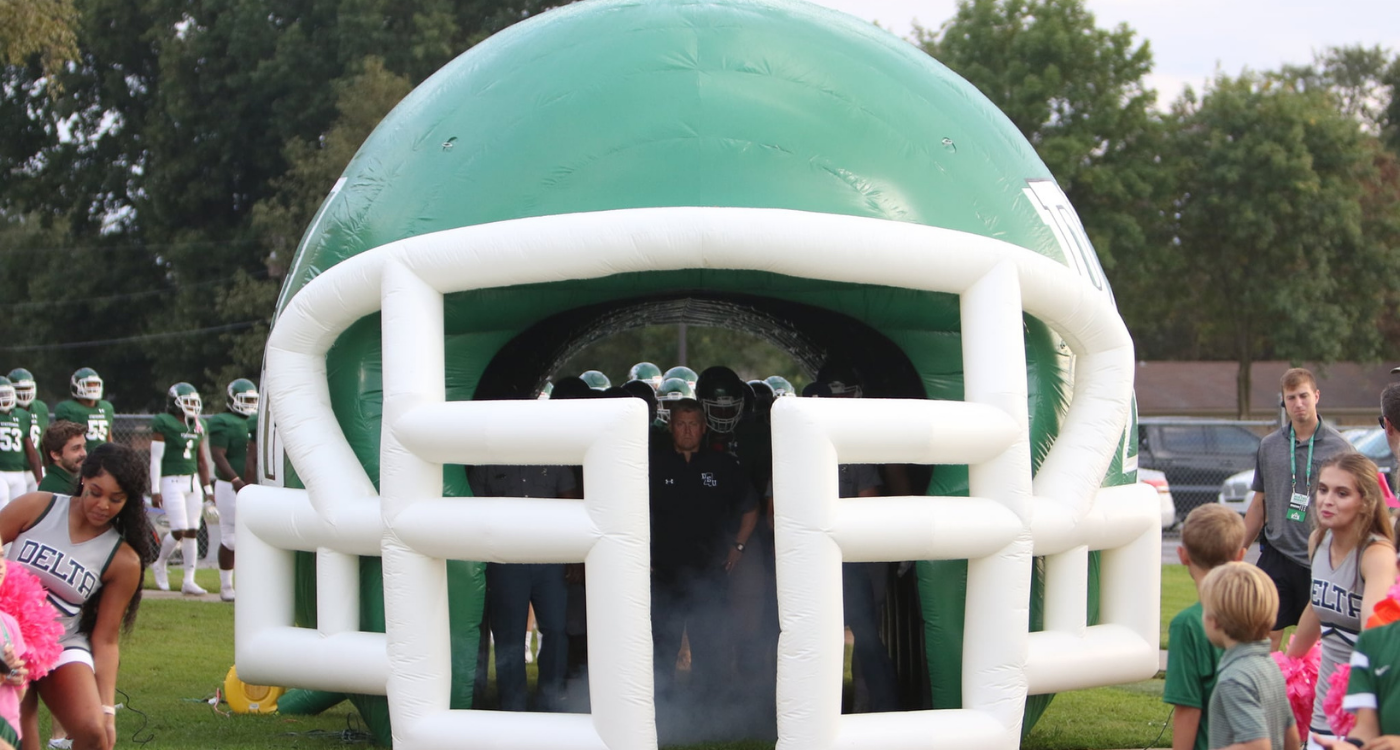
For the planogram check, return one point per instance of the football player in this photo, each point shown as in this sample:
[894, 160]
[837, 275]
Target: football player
[26, 392]
[228, 447]
[17, 454]
[596, 380]
[87, 407]
[177, 452]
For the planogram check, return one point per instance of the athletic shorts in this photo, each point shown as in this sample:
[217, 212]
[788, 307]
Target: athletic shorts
[1293, 581]
[182, 500]
[12, 485]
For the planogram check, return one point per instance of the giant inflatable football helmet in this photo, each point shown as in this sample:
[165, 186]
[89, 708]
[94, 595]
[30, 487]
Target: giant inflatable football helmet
[768, 166]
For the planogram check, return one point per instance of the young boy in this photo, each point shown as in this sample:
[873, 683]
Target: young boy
[1249, 707]
[1211, 536]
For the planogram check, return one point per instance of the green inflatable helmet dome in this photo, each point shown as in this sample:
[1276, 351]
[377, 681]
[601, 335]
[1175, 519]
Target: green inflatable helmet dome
[763, 105]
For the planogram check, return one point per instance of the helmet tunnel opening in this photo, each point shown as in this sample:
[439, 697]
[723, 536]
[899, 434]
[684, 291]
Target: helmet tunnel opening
[811, 336]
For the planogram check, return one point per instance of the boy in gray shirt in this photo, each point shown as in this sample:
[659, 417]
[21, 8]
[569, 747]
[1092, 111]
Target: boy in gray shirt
[1249, 708]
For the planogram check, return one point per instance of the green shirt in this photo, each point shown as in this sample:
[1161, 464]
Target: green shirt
[230, 432]
[181, 445]
[57, 480]
[99, 419]
[1375, 676]
[14, 428]
[39, 421]
[1191, 667]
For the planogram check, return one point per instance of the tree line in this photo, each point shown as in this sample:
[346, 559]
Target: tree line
[162, 159]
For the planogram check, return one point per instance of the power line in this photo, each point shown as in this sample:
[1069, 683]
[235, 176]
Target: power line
[130, 246]
[39, 305]
[129, 339]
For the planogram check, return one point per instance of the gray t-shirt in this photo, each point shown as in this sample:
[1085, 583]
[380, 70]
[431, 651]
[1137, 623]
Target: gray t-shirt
[1273, 476]
[1249, 700]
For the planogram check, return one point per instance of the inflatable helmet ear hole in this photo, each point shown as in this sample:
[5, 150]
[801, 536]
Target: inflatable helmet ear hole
[246, 698]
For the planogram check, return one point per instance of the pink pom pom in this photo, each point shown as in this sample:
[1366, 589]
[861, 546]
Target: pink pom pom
[26, 600]
[1340, 721]
[1300, 679]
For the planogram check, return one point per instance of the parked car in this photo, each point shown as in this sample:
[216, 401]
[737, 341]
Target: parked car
[1158, 480]
[1196, 455]
[1235, 492]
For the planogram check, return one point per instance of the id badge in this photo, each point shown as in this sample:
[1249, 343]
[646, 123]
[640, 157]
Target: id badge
[1298, 507]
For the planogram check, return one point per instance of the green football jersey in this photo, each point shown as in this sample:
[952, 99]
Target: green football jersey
[38, 421]
[1373, 683]
[230, 432]
[99, 419]
[181, 445]
[14, 428]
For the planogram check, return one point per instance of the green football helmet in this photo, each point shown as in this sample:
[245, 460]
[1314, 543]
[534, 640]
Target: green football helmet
[780, 385]
[184, 401]
[721, 394]
[546, 391]
[684, 373]
[242, 397]
[596, 380]
[7, 396]
[25, 389]
[672, 389]
[86, 383]
[647, 373]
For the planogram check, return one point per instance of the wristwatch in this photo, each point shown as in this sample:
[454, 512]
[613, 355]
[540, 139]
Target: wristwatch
[739, 546]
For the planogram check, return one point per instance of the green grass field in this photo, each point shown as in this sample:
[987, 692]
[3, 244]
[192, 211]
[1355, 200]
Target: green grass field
[181, 650]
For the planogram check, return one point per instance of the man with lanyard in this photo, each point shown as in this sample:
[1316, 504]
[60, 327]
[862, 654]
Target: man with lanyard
[1285, 476]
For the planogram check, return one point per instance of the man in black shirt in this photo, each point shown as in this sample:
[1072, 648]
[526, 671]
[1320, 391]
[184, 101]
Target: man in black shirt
[703, 509]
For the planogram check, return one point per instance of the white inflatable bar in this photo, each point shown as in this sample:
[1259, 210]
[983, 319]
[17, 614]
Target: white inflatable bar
[407, 278]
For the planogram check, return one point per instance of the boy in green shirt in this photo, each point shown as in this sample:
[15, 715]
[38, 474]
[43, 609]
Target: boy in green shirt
[1211, 536]
[1373, 693]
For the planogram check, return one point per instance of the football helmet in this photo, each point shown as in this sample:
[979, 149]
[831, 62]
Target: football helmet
[596, 380]
[25, 390]
[762, 398]
[780, 386]
[86, 384]
[242, 397]
[647, 373]
[721, 394]
[546, 391]
[842, 378]
[184, 401]
[684, 373]
[672, 389]
[7, 396]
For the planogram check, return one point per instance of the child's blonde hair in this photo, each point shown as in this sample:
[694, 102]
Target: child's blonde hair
[1242, 600]
[1212, 535]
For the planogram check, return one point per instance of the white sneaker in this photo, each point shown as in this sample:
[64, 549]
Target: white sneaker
[190, 588]
[226, 595]
[162, 575]
[64, 744]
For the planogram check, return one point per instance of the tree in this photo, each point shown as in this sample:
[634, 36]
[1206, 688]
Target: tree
[1076, 92]
[1356, 78]
[174, 122]
[1272, 256]
[42, 28]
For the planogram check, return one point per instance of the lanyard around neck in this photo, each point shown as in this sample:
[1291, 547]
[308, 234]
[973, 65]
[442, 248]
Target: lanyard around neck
[1293, 458]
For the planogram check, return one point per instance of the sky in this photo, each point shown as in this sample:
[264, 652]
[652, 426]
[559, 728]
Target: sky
[1190, 38]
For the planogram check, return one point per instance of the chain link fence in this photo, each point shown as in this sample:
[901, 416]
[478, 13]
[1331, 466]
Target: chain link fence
[134, 431]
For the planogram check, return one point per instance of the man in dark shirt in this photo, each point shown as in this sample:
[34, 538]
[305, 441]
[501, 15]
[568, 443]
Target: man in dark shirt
[703, 510]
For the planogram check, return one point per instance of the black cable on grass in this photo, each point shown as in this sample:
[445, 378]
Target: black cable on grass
[126, 703]
[1165, 724]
